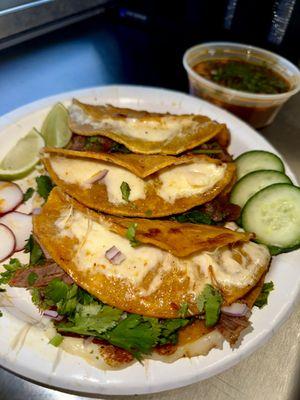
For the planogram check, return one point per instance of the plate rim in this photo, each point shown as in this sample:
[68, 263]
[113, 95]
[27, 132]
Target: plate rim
[20, 112]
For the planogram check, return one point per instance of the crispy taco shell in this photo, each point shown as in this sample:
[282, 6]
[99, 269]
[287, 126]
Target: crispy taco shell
[151, 203]
[150, 281]
[144, 132]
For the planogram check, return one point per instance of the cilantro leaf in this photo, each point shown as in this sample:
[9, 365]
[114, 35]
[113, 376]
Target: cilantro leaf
[194, 216]
[31, 278]
[262, 299]
[44, 186]
[63, 296]
[28, 194]
[210, 301]
[183, 310]
[119, 148]
[10, 268]
[136, 334]
[36, 253]
[148, 213]
[125, 189]
[130, 234]
[56, 340]
[93, 319]
[169, 330]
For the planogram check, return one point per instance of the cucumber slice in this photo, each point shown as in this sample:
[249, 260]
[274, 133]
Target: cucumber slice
[257, 160]
[253, 182]
[273, 214]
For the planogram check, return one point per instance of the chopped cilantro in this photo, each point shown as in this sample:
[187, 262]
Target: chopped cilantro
[93, 319]
[87, 316]
[44, 186]
[183, 310]
[36, 297]
[130, 234]
[207, 151]
[194, 216]
[28, 194]
[148, 213]
[10, 268]
[56, 340]
[62, 295]
[262, 299]
[136, 334]
[36, 253]
[32, 277]
[169, 330]
[210, 301]
[93, 143]
[125, 189]
[119, 148]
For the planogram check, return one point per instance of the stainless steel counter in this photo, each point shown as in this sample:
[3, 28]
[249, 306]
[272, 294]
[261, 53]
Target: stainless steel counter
[91, 55]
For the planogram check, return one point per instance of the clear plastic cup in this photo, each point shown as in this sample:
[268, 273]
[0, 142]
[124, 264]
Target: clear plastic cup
[258, 110]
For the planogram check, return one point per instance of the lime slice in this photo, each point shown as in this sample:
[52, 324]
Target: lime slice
[21, 159]
[55, 128]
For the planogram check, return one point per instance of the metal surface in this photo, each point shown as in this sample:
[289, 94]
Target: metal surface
[95, 54]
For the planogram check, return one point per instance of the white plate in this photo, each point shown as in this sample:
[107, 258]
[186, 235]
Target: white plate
[23, 346]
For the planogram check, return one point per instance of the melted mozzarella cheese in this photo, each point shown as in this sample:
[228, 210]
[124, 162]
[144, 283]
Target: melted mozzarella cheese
[148, 130]
[189, 179]
[237, 267]
[78, 171]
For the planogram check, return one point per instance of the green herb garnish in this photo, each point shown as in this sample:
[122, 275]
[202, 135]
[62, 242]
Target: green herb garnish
[10, 268]
[36, 253]
[125, 189]
[44, 186]
[183, 310]
[148, 213]
[130, 234]
[206, 151]
[28, 194]
[262, 299]
[119, 148]
[56, 340]
[210, 301]
[31, 278]
[194, 216]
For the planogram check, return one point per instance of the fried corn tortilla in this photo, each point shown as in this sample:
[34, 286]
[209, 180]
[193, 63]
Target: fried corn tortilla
[190, 181]
[141, 166]
[149, 281]
[144, 132]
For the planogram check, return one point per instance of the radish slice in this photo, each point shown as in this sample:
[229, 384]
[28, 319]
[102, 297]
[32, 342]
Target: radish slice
[20, 224]
[10, 196]
[7, 242]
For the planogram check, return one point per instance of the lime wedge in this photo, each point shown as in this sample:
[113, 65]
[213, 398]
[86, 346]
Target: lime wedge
[55, 128]
[21, 159]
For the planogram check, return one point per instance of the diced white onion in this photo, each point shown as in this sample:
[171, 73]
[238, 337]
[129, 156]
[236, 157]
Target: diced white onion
[51, 313]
